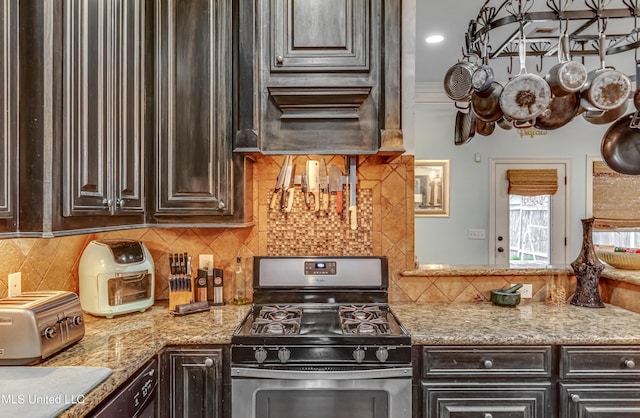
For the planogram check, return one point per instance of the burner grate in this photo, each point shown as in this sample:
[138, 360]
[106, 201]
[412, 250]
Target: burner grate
[277, 320]
[363, 320]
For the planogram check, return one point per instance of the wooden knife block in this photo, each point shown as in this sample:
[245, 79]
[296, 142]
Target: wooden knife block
[180, 297]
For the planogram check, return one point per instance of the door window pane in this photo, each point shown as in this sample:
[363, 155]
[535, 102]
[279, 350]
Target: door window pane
[529, 229]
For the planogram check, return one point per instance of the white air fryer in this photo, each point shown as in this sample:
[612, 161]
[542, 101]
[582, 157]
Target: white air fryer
[116, 277]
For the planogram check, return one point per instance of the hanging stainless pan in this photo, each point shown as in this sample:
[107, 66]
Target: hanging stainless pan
[566, 76]
[486, 104]
[525, 96]
[482, 77]
[465, 128]
[620, 146]
[561, 110]
[605, 88]
[457, 80]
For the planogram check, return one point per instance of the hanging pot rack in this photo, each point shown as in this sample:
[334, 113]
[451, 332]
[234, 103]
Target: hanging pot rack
[519, 15]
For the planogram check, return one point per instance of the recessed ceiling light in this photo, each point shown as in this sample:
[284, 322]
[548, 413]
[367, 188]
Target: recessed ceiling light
[434, 39]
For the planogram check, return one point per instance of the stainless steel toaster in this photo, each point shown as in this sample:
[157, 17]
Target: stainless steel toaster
[36, 325]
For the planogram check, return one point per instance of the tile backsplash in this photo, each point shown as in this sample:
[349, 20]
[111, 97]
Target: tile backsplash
[385, 227]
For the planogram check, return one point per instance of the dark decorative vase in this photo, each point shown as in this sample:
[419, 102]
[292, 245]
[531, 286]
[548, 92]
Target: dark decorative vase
[587, 268]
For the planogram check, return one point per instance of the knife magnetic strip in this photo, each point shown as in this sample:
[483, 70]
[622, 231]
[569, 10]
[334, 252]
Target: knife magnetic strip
[303, 231]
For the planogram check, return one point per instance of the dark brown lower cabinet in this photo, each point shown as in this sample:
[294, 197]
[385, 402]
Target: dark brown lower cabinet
[600, 381]
[487, 399]
[487, 382]
[192, 382]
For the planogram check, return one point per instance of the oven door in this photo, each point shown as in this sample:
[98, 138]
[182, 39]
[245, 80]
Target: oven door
[378, 393]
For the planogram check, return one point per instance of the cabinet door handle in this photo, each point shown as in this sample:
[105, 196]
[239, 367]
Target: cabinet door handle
[279, 59]
[575, 398]
[500, 249]
[630, 364]
[488, 364]
[120, 203]
[107, 202]
[208, 362]
[487, 415]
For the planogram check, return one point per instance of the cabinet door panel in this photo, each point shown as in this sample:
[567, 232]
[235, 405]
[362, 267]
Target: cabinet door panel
[8, 106]
[459, 400]
[195, 382]
[103, 99]
[193, 94]
[599, 400]
[311, 35]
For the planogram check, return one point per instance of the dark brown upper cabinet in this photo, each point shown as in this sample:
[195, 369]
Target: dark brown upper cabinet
[196, 177]
[8, 115]
[103, 99]
[319, 77]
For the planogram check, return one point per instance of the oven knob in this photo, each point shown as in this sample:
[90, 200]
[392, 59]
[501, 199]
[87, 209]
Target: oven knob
[382, 354]
[77, 320]
[358, 355]
[49, 333]
[261, 355]
[284, 354]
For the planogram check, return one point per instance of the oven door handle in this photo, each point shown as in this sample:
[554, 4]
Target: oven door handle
[321, 375]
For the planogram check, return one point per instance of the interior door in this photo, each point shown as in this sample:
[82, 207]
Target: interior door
[504, 230]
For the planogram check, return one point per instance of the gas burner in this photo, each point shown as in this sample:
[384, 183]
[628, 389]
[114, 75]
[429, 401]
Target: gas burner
[275, 327]
[360, 312]
[280, 312]
[377, 326]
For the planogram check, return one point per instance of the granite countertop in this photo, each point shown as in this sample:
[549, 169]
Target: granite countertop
[483, 323]
[126, 342]
[449, 270]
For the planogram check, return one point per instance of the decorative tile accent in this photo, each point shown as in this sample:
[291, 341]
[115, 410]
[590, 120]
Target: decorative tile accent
[304, 231]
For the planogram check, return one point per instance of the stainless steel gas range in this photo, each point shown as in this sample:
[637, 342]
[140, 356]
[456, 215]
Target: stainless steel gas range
[320, 341]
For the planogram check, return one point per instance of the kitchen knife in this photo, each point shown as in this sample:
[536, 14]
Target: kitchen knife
[353, 160]
[287, 183]
[305, 187]
[314, 182]
[279, 183]
[335, 185]
[290, 190]
[323, 178]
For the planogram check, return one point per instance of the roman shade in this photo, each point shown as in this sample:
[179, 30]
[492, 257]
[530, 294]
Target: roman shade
[533, 182]
[616, 198]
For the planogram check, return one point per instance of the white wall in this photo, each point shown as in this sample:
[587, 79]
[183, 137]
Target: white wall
[444, 240]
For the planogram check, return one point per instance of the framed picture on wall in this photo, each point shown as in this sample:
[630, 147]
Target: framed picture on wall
[431, 189]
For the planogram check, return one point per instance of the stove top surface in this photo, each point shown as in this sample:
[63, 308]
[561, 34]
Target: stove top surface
[323, 323]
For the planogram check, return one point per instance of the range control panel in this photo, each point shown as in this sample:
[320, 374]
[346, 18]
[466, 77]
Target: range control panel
[320, 268]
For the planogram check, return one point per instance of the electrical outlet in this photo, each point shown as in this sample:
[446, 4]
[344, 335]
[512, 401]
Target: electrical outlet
[526, 291]
[15, 284]
[205, 261]
[475, 234]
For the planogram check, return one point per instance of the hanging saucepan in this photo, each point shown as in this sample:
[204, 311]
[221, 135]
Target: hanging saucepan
[505, 123]
[457, 80]
[602, 117]
[561, 110]
[525, 96]
[605, 88]
[566, 76]
[636, 95]
[485, 128]
[486, 104]
[465, 128]
[620, 146]
[483, 75]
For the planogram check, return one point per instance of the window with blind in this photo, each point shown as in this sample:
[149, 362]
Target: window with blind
[615, 198]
